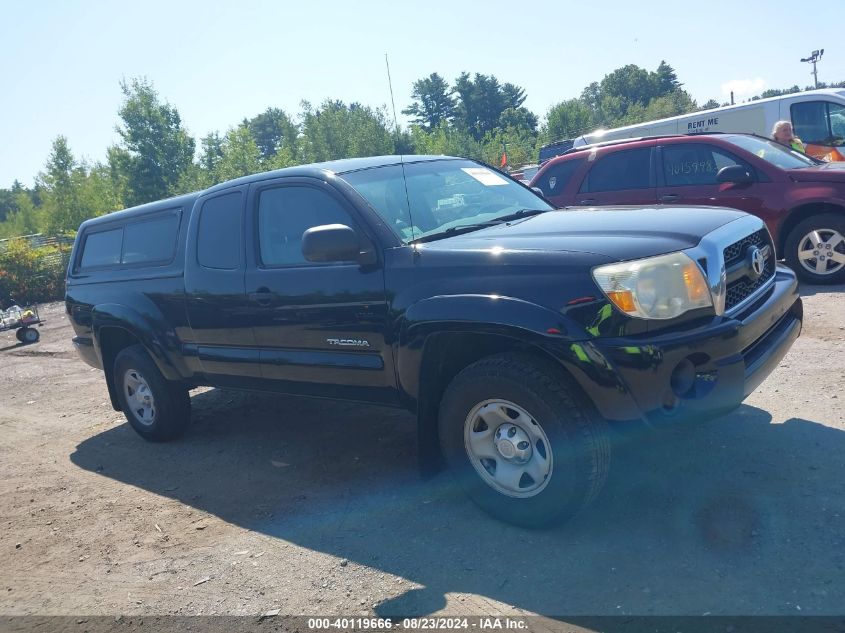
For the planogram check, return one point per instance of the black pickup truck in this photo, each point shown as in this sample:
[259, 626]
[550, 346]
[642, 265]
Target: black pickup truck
[515, 332]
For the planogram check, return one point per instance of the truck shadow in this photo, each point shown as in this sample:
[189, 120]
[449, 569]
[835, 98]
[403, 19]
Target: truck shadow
[736, 516]
[809, 290]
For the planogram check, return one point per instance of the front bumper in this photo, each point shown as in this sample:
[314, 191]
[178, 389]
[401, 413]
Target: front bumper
[696, 373]
[85, 348]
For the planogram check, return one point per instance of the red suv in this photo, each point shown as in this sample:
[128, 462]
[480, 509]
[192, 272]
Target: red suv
[801, 200]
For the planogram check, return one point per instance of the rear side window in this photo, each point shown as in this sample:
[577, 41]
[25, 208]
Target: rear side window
[151, 241]
[628, 169]
[555, 178]
[102, 249]
[219, 236]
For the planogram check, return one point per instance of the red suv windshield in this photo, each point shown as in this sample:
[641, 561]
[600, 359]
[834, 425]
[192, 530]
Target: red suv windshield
[772, 152]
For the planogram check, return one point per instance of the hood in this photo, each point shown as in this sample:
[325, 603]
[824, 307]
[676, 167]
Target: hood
[829, 172]
[618, 233]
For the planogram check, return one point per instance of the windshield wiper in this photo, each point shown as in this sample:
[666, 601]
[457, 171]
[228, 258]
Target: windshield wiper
[466, 228]
[454, 230]
[522, 213]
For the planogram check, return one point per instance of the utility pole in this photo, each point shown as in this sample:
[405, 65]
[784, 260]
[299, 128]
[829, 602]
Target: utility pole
[813, 59]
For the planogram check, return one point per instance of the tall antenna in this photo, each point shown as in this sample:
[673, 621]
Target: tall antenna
[393, 103]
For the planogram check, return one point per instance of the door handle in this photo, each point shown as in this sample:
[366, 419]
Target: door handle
[262, 296]
[670, 197]
[588, 201]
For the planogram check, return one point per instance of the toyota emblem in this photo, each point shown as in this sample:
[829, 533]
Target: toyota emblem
[756, 261]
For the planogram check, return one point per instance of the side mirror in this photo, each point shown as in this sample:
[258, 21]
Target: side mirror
[735, 174]
[539, 192]
[331, 243]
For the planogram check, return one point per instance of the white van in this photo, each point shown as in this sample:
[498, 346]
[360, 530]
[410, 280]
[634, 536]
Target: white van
[818, 117]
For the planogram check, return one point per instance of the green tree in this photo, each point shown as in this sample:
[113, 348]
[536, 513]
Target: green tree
[241, 155]
[97, 195]
[710, 104]
[631, 84]
[8, 200]
[62, 181]
[336, 130]
[665, 79]
[482, 100]
[519, 118]
[273, 130]
[445, 139]
[28, 218]
[432, 103]
[520, 144]
[568, 119]
[668, 105]
[155, 148]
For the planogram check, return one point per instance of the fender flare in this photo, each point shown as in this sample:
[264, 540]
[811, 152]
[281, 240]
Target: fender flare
[150, 328]
[520, 320]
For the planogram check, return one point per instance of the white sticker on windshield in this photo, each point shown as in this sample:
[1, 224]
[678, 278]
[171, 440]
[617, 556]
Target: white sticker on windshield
[485, 176]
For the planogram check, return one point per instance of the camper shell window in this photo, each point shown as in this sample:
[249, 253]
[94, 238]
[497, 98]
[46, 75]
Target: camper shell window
[148, 240]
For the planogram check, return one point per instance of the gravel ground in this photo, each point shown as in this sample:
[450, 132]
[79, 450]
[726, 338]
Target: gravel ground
[316, 507]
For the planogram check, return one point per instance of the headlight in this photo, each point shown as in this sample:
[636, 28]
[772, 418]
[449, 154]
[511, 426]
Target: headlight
[661, 287]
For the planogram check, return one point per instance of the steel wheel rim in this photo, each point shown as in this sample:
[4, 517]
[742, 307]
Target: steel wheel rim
[139, 397]
[501, 460]
[822, 251]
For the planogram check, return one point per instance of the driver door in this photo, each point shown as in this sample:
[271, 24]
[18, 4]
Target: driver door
[320, 327]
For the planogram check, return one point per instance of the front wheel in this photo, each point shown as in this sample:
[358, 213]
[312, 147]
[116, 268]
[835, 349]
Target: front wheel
[815, 249]
[521, 440]
[157, 409]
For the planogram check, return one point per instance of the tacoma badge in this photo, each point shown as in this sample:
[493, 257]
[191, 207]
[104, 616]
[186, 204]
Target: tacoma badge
[348, 342]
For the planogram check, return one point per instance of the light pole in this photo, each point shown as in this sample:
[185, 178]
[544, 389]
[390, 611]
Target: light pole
[814, 57]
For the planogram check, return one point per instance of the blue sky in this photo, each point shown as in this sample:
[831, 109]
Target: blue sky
[217, 62]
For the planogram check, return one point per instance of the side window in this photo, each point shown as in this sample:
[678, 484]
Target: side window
[628, 169]
[555, 178]
[150, 241]
[836, 114]
[102, 249]
[810, 122]
[285, 213]
[219, 236]
[696, 164]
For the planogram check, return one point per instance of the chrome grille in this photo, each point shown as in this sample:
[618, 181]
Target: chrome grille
[744, 286]
[737, 250]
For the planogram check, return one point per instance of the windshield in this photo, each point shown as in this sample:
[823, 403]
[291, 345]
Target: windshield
[772, 152]
[819, 122]
[439, 195]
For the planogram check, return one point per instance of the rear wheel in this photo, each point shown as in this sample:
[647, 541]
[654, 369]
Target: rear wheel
[157, 409]
[521, 441]
[28, 335]
[815, 249]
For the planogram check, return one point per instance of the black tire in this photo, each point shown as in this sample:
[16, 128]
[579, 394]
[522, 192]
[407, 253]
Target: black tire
[797, 238]
[19, 335]
[170, 402]
[28, 335]
[578, 437]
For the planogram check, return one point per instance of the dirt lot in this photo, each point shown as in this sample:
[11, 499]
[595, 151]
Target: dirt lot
[314, 507]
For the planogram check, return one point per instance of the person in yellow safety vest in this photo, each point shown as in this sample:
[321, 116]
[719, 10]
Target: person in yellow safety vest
[783, 134]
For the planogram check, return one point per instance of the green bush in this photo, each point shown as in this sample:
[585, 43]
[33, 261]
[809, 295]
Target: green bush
[31, 274]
